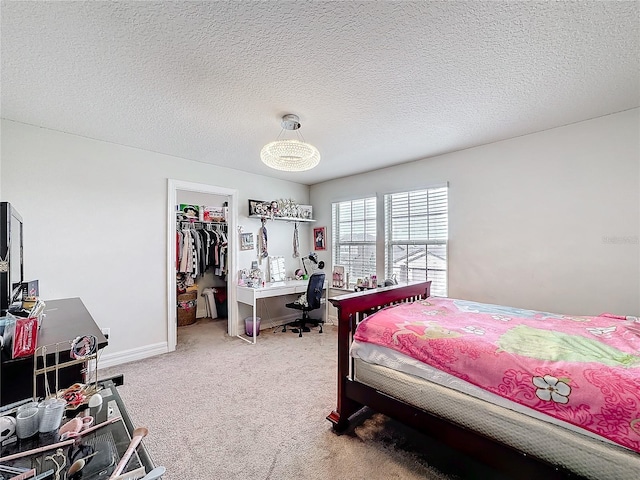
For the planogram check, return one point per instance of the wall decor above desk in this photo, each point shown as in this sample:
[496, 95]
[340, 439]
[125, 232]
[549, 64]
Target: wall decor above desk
[246, 241]
[285, 219]
[281, 209]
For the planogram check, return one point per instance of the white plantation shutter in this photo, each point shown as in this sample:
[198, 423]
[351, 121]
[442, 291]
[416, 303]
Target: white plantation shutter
[354, 237]
[416, 235]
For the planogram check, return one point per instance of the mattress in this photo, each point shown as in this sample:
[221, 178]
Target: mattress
[585, 455]
[386, 357]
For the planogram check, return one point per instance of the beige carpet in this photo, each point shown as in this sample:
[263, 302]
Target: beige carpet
[220, 408]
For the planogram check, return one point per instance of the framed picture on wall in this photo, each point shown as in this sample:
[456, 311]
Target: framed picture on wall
[246, 241]
[319, 238]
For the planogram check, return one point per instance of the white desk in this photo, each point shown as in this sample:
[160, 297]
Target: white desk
[249, 295]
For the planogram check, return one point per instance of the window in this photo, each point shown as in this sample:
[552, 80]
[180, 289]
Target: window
[416, 234]
[354, 238]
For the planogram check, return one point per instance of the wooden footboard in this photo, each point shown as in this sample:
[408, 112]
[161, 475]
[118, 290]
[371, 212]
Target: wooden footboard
[353, 396]
[352, 309]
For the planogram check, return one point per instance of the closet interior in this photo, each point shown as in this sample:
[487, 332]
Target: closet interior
[202, 257]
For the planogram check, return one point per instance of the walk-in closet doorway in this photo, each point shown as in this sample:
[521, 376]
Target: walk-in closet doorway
[177, 189]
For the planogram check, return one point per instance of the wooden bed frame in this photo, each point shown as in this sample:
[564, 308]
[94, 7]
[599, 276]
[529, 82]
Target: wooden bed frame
[353, 396]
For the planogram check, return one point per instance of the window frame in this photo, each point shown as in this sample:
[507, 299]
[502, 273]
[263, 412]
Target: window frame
[389, 243]
[350, 282]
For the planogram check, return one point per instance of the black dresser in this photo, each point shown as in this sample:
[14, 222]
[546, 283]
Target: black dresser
[64, 320]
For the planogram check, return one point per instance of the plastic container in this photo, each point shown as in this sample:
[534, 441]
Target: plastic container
[248, 326]
[27, 422]
[51, 412]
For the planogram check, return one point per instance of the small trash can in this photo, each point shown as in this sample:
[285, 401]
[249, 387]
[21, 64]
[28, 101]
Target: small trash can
[248, 326]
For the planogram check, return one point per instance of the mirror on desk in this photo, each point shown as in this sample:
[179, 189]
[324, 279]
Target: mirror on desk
[276, 269]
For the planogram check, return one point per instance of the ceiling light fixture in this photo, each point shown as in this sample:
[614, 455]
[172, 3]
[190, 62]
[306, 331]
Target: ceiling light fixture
[290, 155]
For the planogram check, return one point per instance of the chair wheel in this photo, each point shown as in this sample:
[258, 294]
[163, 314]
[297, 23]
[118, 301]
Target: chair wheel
[300, 335]
[320, 329]
[284, 329]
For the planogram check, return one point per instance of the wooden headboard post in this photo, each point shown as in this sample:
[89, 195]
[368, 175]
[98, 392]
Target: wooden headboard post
[353, 308]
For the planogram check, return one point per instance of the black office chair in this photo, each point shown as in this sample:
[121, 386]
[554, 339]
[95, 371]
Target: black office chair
[314, 295]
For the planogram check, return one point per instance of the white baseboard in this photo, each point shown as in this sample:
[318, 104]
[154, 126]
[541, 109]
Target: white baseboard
[118, 358]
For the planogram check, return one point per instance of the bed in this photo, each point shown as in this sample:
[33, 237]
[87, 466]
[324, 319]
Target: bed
[532, 436]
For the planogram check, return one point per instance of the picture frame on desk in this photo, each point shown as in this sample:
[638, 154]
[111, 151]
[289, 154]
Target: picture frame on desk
[338, 277]
[319, 238]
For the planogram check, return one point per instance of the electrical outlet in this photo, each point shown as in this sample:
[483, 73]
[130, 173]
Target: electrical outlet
[106, 332]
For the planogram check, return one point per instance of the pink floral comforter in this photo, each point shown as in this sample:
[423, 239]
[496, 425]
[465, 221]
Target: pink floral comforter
[583, 370]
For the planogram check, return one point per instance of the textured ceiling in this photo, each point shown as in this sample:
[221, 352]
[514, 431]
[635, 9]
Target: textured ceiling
[374, 83]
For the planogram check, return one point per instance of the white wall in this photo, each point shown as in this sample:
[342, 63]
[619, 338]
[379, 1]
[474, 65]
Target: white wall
[95, 217]
[549, 221]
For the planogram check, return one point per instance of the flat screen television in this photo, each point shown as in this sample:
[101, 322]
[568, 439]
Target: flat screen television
[11, 255]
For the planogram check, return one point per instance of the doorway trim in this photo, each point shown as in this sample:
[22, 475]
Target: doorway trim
[232, 307]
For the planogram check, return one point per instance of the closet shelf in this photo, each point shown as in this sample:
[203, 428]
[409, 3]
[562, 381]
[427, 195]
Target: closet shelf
[284, 219]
